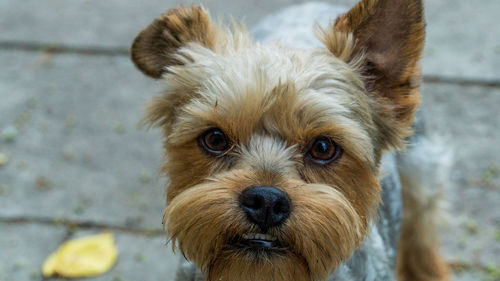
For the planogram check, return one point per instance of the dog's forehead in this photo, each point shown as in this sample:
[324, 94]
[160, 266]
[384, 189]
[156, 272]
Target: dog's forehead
[264, 76]
[293, 94]
[273, 64]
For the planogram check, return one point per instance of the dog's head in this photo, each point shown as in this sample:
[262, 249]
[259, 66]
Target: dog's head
[273, 153]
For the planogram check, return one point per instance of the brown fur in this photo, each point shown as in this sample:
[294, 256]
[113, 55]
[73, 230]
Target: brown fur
[154, 47]
[271, 102]
[391, 33]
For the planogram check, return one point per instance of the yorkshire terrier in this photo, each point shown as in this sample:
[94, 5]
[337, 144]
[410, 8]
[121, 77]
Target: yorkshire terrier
[281, 160]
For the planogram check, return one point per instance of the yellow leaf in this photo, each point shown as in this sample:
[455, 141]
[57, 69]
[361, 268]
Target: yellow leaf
[82, 257]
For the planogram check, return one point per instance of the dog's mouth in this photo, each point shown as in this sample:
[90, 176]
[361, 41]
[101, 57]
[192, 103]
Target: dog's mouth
[257, 241]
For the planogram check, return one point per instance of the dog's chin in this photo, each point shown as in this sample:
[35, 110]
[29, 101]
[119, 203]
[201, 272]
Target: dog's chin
[252, 259]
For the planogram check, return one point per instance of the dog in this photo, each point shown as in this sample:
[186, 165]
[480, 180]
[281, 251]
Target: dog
[282, 161]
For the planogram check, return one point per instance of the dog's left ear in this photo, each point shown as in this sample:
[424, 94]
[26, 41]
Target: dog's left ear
[155, 47]
[389, 34]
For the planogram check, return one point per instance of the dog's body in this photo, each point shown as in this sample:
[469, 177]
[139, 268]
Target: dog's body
[280, 157]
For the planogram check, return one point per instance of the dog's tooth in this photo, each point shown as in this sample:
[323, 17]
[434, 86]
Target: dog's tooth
[259, 236]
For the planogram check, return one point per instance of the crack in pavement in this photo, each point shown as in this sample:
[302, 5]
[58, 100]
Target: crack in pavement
[55, 48]
[80, 225]
[431, 79]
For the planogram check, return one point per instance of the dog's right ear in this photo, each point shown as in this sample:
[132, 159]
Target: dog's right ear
[154, 48]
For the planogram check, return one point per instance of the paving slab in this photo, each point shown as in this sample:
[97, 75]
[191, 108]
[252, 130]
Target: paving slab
[24, 247]
[77, 152]
[463, 38]
[466, 120]
[140, 257]
[109, 23]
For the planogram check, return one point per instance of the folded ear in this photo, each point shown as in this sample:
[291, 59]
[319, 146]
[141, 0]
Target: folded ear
[389, 36]
[154, 48]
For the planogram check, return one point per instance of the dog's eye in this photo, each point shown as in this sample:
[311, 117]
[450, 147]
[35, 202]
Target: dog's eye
[323, 150]
[214, 141]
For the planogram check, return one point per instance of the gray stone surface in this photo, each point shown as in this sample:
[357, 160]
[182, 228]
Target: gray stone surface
[24, 247]
[463, 36]
[139, 258]
[466, 119]
[78, 153]
[463, 39]
[112, 23]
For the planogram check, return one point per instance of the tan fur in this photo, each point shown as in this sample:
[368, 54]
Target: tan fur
[271, 102]
[419, 257]
[423, 172]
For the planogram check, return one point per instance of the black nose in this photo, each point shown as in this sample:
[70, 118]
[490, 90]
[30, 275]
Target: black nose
[265, 206]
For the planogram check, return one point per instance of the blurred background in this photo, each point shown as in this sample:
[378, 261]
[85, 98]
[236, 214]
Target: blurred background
[73, 163]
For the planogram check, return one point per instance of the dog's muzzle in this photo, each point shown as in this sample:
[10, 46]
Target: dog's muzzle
[265, 206]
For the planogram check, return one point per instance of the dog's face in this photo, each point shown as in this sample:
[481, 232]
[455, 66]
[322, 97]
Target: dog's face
[272, 153]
